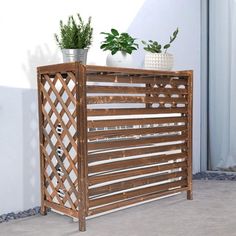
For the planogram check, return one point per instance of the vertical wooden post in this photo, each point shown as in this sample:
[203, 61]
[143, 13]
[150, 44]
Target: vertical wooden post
[43, 209]
[190, 109]
[81, 114]
[148, 105]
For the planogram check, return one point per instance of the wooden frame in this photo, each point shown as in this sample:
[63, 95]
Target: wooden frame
[112, 137]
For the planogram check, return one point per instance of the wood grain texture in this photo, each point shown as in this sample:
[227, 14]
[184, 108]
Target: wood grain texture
[112, 137]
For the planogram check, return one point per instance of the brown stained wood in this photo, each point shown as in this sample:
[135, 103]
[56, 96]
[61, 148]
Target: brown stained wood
[140, 121]
[136, 162]
[142, 144]
[67, 80]
[72, 75]
[95, 157]
[63, 168]
[134, 111]
[60, 119]
[48, 197]
[134, 90]
[154, 79]
[131, 132]
[138, 192]
[148, 95]
[81, 112]
[132, 71]
[65, 108]
[97, 179]
[132, 201]
[54, 189]
[60, 141]
[111, 188]
[63, 178]
[135, 142]
[190, 111]
[43, 210]
[136, 99]
[66, 211]
[67, 197]
[60, 92]
[57, 68]
[66, 89]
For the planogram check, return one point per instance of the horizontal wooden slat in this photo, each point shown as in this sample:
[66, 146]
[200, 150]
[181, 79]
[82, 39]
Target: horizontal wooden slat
[132, 201]
[57, 68]
[135, 142]
[93, 157]
[60, 208]
[127, 122]
[134, 90]
[135, 111]
[134, 99]
[97, 179]
[158, 79]
[135, 193]
[143, 144]
[107, 189]
[136, 162]
[130, 132]
[132, 71]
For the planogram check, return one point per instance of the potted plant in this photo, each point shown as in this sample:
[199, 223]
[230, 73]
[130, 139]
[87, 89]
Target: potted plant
[157, 57]
[121, 46]
[75, 39]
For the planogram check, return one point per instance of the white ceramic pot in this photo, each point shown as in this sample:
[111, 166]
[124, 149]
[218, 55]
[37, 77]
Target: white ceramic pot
[120, 59]
[159, 61]
[72, 55]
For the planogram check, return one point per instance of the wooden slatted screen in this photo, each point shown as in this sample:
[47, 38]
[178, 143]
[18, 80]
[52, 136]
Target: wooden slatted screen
[112, 137]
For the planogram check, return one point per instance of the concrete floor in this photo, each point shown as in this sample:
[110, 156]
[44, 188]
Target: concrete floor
[211, 213]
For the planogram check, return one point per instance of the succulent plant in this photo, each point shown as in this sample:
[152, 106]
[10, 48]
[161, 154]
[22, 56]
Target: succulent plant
[155, 47]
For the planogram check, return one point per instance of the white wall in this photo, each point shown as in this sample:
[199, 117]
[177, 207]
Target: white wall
[26, 41]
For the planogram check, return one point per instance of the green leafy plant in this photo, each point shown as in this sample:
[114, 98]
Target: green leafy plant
[155, 47]
[75, 35]
[116, 42]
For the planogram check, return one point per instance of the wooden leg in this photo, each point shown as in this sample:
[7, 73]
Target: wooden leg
[82, 224]
[43, 210]
[190, 194]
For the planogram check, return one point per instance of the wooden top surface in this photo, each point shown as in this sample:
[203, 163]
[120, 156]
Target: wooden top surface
[64, 67]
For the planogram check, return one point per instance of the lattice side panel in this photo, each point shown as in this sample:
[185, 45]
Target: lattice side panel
[137, 139]
[59, 141]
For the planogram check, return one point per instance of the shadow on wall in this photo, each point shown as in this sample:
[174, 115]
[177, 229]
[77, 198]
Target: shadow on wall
[39, 57]
[10, 146]
[19, 169]
[31, 164]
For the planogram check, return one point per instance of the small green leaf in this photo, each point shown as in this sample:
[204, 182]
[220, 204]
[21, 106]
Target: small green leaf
[126, 35]
[166, 46]
[133, 48]
[105, 33]
[103, 46]
[114, 32]
[129, 50]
